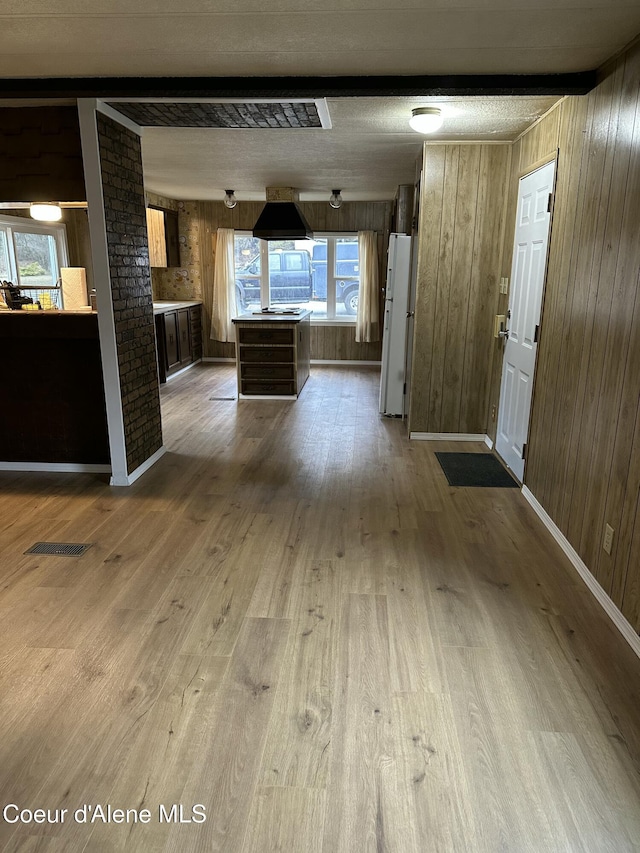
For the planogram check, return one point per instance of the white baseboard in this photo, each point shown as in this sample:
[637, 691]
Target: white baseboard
[489, 442]
[222, 360]
[338, 362]
[129, 479]
[290, 397]
[447, 436]
[184, 370]
[612, 611]
[56, 467]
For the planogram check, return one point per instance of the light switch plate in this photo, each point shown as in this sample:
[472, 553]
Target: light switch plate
[607, 543]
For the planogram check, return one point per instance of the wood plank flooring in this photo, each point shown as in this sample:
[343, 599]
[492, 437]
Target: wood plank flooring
[294, 621]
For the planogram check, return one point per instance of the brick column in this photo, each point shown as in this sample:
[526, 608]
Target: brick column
[115, 191]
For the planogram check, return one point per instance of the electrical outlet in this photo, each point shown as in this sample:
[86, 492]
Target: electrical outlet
[504, 285]
[607, 542]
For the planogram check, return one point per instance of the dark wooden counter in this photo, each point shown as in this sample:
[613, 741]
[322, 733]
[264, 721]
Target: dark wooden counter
[53, 406]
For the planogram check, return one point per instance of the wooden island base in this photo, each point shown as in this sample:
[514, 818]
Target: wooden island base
[273, 354]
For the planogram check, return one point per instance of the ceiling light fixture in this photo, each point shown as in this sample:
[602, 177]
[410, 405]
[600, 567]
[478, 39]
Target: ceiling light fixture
[335, 200]
[229, 199]
[46, 212]
[426, 119]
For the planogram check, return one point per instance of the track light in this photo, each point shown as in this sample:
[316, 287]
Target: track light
[229, 199]
[426, 119]
[336, 199]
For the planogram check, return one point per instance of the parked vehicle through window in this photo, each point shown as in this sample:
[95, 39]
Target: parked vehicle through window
[322, 275]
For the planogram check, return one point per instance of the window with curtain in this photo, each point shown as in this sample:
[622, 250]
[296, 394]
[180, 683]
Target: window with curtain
[322, 275]
[367, 321]
[223, 303]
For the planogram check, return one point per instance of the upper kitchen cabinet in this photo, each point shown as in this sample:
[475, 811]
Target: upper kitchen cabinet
[162, 225]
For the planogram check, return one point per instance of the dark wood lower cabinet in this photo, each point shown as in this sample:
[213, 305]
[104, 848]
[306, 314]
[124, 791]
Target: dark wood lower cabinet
[172, 357]
[52, 403]
[273, 354]
[179, 339]
[184, 332]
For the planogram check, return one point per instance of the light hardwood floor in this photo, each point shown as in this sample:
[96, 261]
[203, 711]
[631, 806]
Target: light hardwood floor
[293, 620]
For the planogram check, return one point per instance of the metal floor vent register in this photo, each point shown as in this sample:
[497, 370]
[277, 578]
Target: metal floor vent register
[59, 549]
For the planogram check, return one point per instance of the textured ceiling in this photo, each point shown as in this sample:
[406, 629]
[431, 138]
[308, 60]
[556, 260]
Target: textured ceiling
[305, 37]
[369, 149]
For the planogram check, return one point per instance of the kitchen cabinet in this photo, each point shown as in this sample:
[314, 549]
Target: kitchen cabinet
[53, 399]
[273, 354]
[184, 333]
[164, 245]
[178, 336]
[172, 355]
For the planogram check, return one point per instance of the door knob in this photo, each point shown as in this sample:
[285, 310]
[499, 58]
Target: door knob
[504, 334]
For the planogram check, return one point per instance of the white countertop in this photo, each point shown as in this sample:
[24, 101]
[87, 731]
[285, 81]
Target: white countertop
[274, 316]
[163, 307]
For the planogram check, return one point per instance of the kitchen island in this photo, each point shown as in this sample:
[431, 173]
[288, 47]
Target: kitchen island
[273, 354]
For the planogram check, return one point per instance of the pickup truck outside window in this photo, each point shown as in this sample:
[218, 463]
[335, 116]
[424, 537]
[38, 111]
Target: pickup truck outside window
[320, 274]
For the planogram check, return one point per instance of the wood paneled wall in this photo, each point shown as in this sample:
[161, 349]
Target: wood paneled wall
[328, 342]
[79, 241]
[462, 216]
[584, 442]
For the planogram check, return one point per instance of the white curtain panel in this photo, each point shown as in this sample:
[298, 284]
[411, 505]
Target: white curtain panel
[224, 288]
[367, 319]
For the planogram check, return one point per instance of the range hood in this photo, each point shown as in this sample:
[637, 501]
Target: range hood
[281, 218]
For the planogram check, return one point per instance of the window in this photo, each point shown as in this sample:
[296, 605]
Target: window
[5, 269]
[30, 258]
[322, 275]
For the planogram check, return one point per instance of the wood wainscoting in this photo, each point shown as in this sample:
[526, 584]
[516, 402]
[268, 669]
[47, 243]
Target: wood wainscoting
[584, 442]
[462, 219]
[328, 342]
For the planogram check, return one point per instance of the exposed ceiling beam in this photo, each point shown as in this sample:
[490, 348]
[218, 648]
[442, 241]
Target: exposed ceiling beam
[300, 87]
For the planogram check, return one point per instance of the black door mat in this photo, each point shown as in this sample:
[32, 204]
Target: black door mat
[475, 469]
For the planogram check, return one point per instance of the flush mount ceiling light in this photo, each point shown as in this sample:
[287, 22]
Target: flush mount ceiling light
[46, 212]
[335, 200]
[426, 119]
[229, 199]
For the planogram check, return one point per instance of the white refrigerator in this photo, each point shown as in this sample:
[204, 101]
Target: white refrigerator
[395, 327]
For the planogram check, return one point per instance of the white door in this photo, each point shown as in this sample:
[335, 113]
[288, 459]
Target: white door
[525, 300]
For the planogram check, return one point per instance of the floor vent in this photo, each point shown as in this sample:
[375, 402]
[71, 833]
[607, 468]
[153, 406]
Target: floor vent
[222, 398]
[59, 549]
